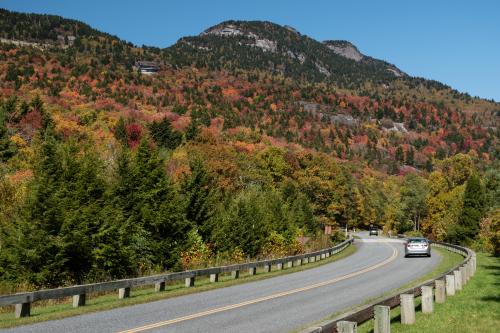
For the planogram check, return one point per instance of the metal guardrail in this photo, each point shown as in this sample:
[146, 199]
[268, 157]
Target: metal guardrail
[23, 300]
[364, 313]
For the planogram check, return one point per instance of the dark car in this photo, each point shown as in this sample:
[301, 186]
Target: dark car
[373, 231]
[417, 246]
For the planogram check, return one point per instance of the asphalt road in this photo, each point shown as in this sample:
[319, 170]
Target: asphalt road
[280, 304]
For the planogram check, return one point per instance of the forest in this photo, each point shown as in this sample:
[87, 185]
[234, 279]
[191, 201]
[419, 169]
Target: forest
[106, 173]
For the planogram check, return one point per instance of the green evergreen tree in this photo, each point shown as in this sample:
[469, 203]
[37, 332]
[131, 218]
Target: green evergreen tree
[164, 135]
[120, 132]
[467, 227]
[7, 147]
[199, 197]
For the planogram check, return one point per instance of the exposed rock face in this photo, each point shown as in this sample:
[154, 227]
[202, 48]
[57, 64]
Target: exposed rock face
[228, 30]
[345, 49]
[266, 45]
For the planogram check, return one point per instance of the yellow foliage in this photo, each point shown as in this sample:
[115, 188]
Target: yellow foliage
[18, 140]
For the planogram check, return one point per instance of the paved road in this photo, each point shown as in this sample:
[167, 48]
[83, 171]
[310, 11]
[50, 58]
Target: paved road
[278, 304]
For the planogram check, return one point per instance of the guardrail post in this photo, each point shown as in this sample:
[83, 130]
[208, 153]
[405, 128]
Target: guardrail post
[160, 286]
[23, 310]
[347, 326]
[267, 268]
[458, 280]
[189, 282]
[382, 317]
[78, 300]
[440, 291]
[427, 299]
[214, 277]
[289, 264]
[235, 274]
[124, 292]
[463, 275]
[252, 271]
[407, 309]
[450, 285]
[279, 266]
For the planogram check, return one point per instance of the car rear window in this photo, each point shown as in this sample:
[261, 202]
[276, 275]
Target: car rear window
[417, 241]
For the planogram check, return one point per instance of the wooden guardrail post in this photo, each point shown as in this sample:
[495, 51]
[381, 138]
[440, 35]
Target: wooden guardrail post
[279, 266]
[347, 326]
[235, 274]
[78, 300]
[382, 317]
[440, 293]
[23, 310]
[189, 282]
[214, 277]
[124, 292]
[450, 285]
[427, 299]
[289, 264]
[458, 280]
[252, 271]
[407, 309]
[463, 275]
[160, 286]
[267, 268]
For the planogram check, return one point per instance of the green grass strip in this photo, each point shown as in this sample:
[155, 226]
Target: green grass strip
[476, 308]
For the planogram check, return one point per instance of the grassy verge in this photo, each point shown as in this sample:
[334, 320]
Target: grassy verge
[474, 309]
[44, 312]
[448, 260]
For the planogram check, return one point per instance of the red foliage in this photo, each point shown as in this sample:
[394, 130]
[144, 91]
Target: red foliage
[134, 134]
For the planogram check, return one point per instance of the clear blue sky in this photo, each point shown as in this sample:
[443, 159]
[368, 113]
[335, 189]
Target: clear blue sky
[455, 42]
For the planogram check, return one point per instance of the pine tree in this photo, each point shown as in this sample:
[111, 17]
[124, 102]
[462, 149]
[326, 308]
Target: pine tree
[7, 147]
[120, 132]
[164, 135]
[400, 155]
[199, 197]
[472, 211]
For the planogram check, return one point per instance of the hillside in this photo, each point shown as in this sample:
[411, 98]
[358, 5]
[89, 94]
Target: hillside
[248, 125]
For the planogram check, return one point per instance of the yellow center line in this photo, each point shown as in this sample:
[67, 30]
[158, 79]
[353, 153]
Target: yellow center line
[265, 298]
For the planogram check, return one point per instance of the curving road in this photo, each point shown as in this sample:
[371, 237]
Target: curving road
[278, 304]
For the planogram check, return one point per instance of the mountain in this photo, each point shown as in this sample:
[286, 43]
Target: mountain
[281, 50]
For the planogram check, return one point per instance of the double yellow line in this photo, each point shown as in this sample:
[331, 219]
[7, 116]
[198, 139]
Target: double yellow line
[265, 298]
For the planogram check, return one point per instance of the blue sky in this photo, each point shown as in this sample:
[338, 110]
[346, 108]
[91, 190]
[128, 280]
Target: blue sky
[455, 42]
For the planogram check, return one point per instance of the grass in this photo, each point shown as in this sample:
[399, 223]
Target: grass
[474, 309]
[448, 260]
[43, 312]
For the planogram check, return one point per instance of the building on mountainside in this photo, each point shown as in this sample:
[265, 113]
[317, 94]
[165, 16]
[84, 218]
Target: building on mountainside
[147, 67]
